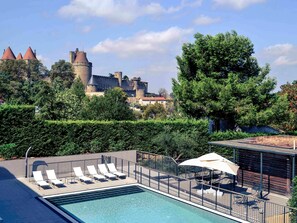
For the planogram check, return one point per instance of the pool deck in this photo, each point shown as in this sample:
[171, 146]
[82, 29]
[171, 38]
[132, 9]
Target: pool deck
[73, 185]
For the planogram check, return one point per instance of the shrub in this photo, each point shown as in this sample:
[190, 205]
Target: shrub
[7, 151]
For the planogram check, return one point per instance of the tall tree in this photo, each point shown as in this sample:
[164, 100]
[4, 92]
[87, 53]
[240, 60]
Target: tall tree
[163, 92]
[112, 106]
[154, 111]
[20, 80]
[63, 70]
[218, 78]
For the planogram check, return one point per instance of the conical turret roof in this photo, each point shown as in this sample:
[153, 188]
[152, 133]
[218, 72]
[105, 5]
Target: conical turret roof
[81, 57]
[29, 55]
[19, 57]
[8, 54]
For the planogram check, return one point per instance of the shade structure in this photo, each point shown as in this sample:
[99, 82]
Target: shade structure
[213, 161]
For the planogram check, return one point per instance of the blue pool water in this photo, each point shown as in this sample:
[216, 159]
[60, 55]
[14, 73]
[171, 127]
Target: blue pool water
[132, 205]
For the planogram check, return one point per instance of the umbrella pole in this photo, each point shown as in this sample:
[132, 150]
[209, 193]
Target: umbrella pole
[202, 178]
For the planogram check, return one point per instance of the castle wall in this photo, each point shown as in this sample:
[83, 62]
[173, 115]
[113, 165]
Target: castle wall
[83, 71]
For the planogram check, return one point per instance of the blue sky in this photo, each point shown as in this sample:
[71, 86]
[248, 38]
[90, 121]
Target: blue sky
[143, 37]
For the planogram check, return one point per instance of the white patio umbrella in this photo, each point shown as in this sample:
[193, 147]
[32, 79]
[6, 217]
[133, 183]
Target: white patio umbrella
[213, 161]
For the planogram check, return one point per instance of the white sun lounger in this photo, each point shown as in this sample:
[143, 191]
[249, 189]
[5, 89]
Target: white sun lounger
[94, 174]
[113, 170]
[78, 173]
[104, 171]
[39, 179]
[51, 175]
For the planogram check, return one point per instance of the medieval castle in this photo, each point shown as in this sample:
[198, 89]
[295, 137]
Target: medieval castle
[9, 55]
[136, 90]
[96, 85]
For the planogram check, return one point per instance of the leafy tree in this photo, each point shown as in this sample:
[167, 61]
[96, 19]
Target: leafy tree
[64, 70]
[154, 111]
[175, 143]
[19, 80]
[293, 201]
[163, 92]
[112, 106]
[291, 91]
[219, 78]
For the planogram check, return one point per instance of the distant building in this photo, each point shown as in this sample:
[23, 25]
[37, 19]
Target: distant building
[97, 84]
[9, 55]
[153, 100]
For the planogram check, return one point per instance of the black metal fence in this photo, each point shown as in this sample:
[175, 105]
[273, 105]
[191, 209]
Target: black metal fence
[238, 205]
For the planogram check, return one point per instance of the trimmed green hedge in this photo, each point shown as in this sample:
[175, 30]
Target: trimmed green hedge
[49, 138]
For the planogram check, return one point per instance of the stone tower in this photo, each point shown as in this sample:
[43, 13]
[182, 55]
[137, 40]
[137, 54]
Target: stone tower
[82, 67]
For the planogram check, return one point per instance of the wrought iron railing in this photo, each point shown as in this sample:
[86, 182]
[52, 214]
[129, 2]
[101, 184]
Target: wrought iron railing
[238, 205]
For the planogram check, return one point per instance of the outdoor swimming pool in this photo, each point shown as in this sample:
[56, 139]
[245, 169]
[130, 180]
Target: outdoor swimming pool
[131, 204]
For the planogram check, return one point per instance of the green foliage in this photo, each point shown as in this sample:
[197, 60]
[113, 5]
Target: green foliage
[7, 150]
[112, 106]
[69, 137]
[176, 144]
[293, 202]
[218, 78]
[19, 81]
[63, 70]
[154, 111]
[69, 148]
[177, 138]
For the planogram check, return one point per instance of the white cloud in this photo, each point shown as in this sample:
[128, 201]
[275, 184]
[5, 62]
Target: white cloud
[281, 54]
[121, 11]
[236, 4]
[206, 20]
[143, 42]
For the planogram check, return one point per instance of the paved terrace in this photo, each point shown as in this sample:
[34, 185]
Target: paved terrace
[19, 203]
[18, 196]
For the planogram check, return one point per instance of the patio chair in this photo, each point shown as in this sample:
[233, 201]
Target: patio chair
[78, 173]
[94, 174]
[51, 175]
[112, 169]
[39, 179]
[104, 171]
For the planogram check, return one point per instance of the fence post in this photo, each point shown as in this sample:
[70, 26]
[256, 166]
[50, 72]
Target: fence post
[158, 180]
[230, 204]
[216, 200]
[168, 185]
[128, 168]
[122, 165]
[135, 170]
[141, 175]
[71, 169]
[190, 190]
[264, 212]
[116, 161]
[284, 214]
[247, 209]
[178, 189]
[155, 162]
[149, 177]
[84, 166]
[58, 173]
[202, 195]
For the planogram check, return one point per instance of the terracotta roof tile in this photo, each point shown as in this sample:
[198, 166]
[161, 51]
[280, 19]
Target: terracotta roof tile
[8, 54]
[81, 57]
[154, 99]
[29, 55]
[19, 57]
